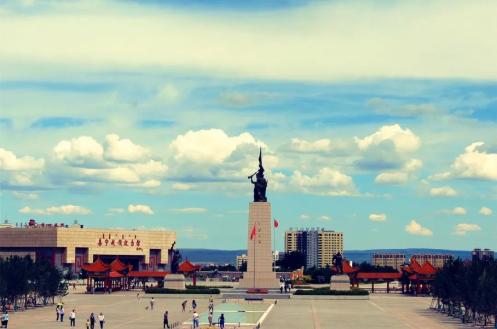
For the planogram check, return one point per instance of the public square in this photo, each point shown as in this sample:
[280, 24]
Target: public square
[125, 311]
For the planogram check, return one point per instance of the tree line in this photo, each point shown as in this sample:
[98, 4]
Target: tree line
[25, 283]
[468, 290]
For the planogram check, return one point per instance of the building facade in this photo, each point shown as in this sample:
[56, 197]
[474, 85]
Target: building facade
[437, 260]
[71, 247]
[479, 254]
[317, 244]
[393, 260]
[240, 259]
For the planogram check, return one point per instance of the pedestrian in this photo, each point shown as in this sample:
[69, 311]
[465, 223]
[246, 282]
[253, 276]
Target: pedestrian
[72, 318]
[87, 323]
[74, 286]
[183, 305]
[221, 321]
[92, 321]
[101, 319]
[137, 296]
[166, 319]
[152, 301]
[57, 311]
[194, 305]
[195, 320]
[5, 319]
[281, 287]
[209, 318]
[62, 312]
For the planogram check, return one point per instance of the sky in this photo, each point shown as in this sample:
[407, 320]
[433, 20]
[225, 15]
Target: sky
[375, 118]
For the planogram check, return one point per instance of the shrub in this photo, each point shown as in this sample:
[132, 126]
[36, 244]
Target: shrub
[199, 291]
[327, 292]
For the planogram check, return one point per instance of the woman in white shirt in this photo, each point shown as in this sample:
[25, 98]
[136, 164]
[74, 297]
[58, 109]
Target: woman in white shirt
[101, 319]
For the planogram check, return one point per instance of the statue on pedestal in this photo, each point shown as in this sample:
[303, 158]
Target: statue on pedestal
[337, 261]
[260, 184]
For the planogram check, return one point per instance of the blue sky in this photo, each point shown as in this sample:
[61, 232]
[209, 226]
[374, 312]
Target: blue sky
[131, 114]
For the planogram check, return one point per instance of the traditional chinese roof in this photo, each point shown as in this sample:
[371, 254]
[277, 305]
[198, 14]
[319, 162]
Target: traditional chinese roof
[187, 267]
[416, 268]
[428, 269]
[115, 275]
[97, 266]
[379, 275]
[147, 274]
[117, 265]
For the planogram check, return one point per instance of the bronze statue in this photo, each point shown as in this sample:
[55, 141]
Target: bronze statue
[260, 184]
[337, 261]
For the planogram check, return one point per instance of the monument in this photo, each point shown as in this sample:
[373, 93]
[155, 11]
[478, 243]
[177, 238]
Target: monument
[259, 274]
[339, 280]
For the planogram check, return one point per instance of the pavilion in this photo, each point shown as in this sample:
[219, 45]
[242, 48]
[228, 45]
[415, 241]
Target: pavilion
[187, 267]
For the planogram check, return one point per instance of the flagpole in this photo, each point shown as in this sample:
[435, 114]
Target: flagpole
[254, 260]
[274, 246]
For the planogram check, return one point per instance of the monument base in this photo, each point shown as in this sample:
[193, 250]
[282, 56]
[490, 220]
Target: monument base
[340, 282]
[265, 280]
[175, 281]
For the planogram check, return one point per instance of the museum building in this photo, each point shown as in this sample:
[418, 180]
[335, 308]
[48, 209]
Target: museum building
[73, 246]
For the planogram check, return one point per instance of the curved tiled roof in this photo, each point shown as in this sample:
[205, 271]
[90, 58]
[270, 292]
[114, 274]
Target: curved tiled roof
[96, 266]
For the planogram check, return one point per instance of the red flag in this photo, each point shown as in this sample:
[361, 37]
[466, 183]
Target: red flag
[252, 233]
[276, 223]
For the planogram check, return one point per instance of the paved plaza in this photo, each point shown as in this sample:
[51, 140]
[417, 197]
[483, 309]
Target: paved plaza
[124, 310]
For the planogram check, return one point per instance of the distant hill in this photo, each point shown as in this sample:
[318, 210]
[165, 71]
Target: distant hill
[358, 256]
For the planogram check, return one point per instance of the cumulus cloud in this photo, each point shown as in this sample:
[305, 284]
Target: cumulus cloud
[191, 210]
[397, 177]
[404, 140]
[377, 217]
[475, 163]
[327, 181]
[208, 145]
[123, 149]
[463, 228]
[443, 191]
[459, 211]
[485, 211]
[57, 210]
[19, 170]
[140, 208]
[80, 151]
[415, 228]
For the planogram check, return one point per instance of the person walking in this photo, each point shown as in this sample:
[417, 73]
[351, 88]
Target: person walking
[87, 323]
[221, 321]
[152, 302]
[195, 320]
[5, 319]
[183, 306]
[62, 312]
[101, 319]
[281, 287]
[57, 312]
[194, 305]
[166, 319]
[92, 321]
[72, 318]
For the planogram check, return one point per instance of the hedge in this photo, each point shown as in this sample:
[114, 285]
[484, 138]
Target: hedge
[327, 291]
[198, 291]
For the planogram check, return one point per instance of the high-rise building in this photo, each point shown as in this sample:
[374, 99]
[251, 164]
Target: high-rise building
[240, 259]
[484, 254]
[437, 260]
[389, 259]
[317, 244]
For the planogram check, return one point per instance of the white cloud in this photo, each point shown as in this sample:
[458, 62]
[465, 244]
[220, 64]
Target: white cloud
[463, 228]
[140, 208]
[377, 217]
[168, 93]
[444, 191]
[123, 149]
[485, 211]
[25, 195]
[404, 140]
[416, 229]
[475, 163]
[324, 218]
[413, 165]
[301, 145]
[459, 211]
[191, 210]
[327, 181]
[208, 146]
[79, 151]
[304, 216]
[57, 210]
[182, 186]
[397, 177]
[313, 34]
[10, 162]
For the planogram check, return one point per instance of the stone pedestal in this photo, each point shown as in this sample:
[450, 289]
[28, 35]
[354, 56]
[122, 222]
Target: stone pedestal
[259, 250]
[175, 281]
[340, 282]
